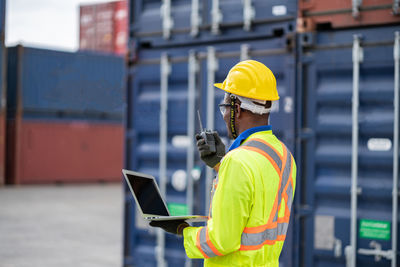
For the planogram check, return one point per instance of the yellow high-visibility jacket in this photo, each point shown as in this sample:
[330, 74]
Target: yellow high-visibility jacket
[250, 208]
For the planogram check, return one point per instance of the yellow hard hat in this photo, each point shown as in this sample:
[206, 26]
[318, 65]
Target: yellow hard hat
[250, 79]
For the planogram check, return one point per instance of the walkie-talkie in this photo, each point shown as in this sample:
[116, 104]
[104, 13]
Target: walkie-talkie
[207, 135]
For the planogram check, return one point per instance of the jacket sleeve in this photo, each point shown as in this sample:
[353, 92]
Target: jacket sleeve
[231, 206]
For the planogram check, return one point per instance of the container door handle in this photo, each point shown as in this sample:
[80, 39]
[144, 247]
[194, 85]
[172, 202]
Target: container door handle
[212, 67]
[249, 13]
[396, 5]
[395, 193]
[356, 4]
[165, 69]
[195, 18]
[193, 69]
[376, 251]
[167, 21]
[216, 17]
[244, 52]
[357, 59]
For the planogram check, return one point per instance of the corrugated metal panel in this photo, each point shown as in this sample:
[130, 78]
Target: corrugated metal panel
[52, 84]
[143, 127]
[325, 138]
[344, 13]
[121, 16]
[104, 27]
[3, 94]
[215, 20]
[63, 152]
[87, 27]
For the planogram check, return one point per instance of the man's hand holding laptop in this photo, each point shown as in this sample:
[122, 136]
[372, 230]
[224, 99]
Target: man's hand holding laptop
[173, 227]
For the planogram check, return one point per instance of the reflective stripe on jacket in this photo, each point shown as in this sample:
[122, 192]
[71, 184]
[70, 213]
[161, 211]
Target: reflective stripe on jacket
[250, 208]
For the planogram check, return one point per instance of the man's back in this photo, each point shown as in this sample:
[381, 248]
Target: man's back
[245, 229]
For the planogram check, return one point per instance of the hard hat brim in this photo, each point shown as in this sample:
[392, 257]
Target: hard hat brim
[221, 86]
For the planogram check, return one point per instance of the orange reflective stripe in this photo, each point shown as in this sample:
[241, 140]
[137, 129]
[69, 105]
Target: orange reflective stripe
[285, 196]
[266, 242]
[198, 244]
[259, 229]
[211, 245]
[254, 238]
[277, 202]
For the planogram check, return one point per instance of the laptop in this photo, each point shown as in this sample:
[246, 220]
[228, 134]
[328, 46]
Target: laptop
[147, 195]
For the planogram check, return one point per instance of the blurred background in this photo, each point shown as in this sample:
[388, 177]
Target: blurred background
[63, 74]
[90, 87]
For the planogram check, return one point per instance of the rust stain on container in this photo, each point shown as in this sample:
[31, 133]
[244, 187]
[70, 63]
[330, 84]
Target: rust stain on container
[315, 14]
[64, 152]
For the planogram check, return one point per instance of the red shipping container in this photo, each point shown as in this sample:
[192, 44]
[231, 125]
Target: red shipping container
[104, 27]
[65, 152]
[314, 14]
[121, 27]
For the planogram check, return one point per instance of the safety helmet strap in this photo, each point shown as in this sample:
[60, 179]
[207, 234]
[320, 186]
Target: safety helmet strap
[232, 116]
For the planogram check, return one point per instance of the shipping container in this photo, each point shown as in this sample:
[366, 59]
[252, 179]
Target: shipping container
[348, 147]
[3, 93]
[165, 89]
[104, 27]
[181, 22]
[42, 151]
[121, 31]
[64, 116]
[52, 84]
[323, 14]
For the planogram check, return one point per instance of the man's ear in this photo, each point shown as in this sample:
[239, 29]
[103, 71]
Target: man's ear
[238, 111]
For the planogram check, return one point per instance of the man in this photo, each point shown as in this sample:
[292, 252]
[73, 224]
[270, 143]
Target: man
[253, 192]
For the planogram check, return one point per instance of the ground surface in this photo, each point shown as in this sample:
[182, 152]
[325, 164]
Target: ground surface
[61, 225]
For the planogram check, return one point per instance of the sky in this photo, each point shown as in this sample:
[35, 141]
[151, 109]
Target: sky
[50, 24]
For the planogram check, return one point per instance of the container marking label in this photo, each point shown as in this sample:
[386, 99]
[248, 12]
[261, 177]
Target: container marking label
[280, 10]
[372, 229]
[379, 144]
[324, 232]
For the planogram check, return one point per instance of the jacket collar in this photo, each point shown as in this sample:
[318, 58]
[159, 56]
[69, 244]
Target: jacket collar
[244, 135]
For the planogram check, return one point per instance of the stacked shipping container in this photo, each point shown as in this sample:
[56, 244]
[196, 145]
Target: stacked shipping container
[179, 56]
[104, 27]
[315, 14]
[347, 150]
[3, 95]
[64, 116]
[345, 210]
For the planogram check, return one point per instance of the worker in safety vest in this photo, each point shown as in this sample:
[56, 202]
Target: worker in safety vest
[253, 192]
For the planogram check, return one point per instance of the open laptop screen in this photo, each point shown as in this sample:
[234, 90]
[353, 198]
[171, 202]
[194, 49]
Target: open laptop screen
[147, 195]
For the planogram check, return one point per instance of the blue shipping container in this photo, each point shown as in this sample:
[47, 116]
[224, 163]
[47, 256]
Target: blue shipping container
[167, 23]
[185, 75]
[342, 140]
[52, 84]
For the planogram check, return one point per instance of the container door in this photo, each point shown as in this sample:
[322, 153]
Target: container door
[160, 142]
[346, 149]
[156, 141]
[278, 55]
[172, 22]
[250, 18]
[165, 22]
